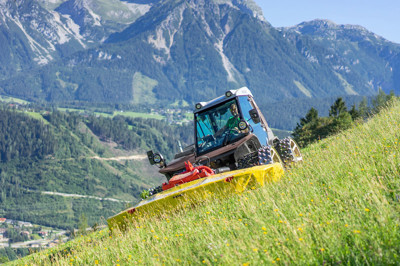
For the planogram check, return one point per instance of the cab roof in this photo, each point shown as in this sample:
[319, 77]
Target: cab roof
[244, 91]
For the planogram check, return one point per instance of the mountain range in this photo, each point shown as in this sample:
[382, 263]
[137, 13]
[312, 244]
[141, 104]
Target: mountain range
[182, 51]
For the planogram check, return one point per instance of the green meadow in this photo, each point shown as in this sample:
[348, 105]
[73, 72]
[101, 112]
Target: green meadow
[126, 113]
[340, 206]
[8, 99]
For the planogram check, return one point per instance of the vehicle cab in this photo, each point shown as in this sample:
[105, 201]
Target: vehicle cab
[226, 129]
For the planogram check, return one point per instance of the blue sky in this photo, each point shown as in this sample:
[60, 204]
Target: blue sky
[379, 16]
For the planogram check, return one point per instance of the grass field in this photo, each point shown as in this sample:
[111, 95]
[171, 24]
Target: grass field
[141, 115]
[12, 100]
[341, 206]
[126, 113]
[37, 116]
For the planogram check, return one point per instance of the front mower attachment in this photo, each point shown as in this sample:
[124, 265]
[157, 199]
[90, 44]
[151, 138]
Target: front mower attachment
[190, 193]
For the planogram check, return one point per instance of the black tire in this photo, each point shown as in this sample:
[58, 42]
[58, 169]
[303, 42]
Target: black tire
[264, 155]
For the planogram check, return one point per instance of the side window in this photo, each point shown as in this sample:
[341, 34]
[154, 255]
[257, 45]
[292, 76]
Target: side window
[258, 130]
[203, 127]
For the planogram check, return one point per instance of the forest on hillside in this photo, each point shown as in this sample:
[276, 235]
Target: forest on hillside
[49, 150]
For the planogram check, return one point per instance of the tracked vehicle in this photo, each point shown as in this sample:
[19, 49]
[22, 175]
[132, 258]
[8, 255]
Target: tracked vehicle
[246, 142]
[234, 149]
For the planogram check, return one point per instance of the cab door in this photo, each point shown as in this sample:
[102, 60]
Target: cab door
[245, 105]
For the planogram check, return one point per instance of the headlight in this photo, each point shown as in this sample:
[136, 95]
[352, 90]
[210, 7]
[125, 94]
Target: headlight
[242, 125]
[157, 158]
[198, 105]
[228, 94]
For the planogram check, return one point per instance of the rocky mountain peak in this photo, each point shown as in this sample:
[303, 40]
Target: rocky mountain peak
[246, 6]
[184, 49]
[328, 27]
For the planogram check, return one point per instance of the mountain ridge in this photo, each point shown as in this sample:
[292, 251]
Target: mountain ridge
[187, 50]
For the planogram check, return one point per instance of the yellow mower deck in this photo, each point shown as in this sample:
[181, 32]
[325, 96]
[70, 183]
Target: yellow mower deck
[213, 186]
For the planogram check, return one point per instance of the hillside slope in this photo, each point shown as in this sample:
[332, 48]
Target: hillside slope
[341, 206]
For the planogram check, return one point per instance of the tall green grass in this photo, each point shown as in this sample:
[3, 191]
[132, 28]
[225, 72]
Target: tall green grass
[341, 206]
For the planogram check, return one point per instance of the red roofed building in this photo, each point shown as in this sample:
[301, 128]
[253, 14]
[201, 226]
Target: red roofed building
[2, 220]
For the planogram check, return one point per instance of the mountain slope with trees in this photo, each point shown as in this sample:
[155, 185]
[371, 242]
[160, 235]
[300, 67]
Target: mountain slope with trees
[62, 153]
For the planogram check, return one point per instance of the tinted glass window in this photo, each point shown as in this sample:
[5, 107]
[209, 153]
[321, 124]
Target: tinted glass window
[257, 129]
[217, 127]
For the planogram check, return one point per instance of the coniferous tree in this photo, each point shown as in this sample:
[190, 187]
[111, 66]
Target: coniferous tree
[304, 133]
[338, 107]
[355, 114]
[363, 109]
[381, 99]
[311, 116]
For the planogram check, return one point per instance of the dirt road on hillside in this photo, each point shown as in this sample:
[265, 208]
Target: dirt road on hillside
[120, 158]
[80, 196]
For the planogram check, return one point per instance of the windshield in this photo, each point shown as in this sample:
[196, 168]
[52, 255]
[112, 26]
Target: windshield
[217, 127]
